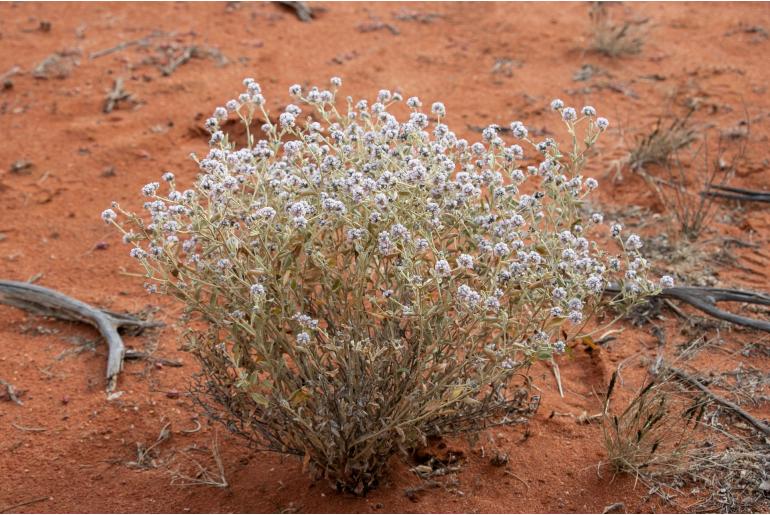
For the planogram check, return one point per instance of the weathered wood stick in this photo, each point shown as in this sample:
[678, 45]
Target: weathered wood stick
[686, 378]
[301, 9]
[47, 302]
[731, 193]
[705, 300]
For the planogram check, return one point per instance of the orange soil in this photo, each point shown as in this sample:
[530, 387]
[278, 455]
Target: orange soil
[49, 221]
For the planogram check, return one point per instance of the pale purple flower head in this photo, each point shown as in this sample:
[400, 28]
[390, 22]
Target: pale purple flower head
[108, 215]
[442, 268]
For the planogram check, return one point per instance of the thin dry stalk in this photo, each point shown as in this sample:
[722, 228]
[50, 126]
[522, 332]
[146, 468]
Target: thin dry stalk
[202, 475]
[146, 456]
[680, 191]
[668, 438]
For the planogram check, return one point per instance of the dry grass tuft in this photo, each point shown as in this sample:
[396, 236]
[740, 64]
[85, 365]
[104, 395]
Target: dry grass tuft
[680, 188]
[652, 435]
[660, 145]
[614, 39]
[674, 439]
[194, 473]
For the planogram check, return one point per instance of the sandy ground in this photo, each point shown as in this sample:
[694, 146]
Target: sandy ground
[63, 159]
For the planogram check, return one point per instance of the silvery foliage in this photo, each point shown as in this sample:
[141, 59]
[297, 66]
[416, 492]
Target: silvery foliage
[365, 281]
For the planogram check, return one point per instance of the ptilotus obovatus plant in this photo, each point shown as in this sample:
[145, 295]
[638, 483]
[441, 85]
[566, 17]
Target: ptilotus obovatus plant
[358, 283]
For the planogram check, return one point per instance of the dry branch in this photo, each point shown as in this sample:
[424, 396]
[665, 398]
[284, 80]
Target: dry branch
[728, 192]
[706, 299]
[125, 44]
[24, 503]
[193, 52]
[46, 302]
[10, 392]
[301, 9]
[5, 79]
[138, 354]
[187, 54]
[117, 94]
[686, 378]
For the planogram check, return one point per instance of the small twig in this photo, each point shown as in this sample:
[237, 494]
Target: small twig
[46, 302]
[187, 54]
[125, 44]
[705, 300]
[24, 503]
[143, 453]
[301, 9]
[728, 192]
[117, 94]
[5, 79]
[676, 309]
[10, 73]
[142, 355]
[29, 429]
[681, 375]
[203, 476]
[11, 392]
[379, 25]
[194, 430]
[616, 507]
[509, 473]
[557, 375]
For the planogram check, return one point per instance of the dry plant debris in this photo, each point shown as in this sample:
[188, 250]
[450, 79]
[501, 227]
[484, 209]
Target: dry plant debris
[614, 39]
[47, 302]
[58, 65]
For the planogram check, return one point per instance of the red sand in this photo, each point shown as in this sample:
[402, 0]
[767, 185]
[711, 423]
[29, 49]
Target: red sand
[49, 219]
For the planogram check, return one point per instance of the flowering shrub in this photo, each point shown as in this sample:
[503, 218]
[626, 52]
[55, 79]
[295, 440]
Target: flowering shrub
[362, 283]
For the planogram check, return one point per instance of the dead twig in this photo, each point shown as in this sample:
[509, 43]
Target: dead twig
[29, 429]
[125, 44]
[24, 503]
[143, 457]
[557, 376]
[202, 475]
[5, 79]
[10, 73]
[58, 65]
[616, 507]
[686, 378]
[509, 473]
[301, 9]
[193, 430]
[187, 54]
[378, 25]
[117, 94]
[46, 302]
[191, 52]
[728, 192]
[705, 300]
[142, 355]
[11, 392]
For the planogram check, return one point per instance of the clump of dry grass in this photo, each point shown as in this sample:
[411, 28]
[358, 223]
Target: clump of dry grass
[662, 143]
[669, 436]
[687, 163]
[614, 39]
[192, 472]
[692, 210]
[651, 437]
[681, 185]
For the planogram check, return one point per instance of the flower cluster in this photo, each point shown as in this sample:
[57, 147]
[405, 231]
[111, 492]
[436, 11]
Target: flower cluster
[339, 228]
